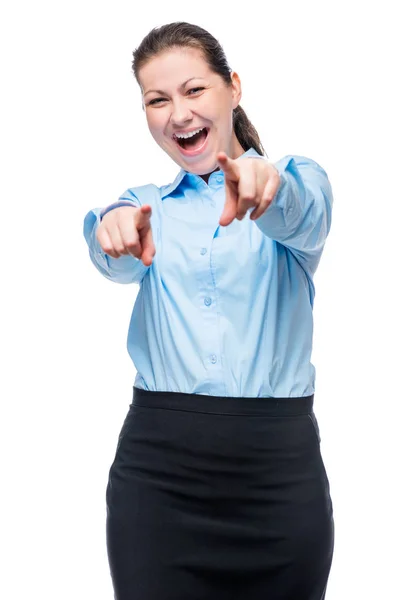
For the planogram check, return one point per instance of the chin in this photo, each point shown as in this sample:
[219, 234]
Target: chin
[201, 171]
[200, 166]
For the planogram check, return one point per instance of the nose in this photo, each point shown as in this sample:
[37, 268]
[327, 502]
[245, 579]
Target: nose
[180, 113]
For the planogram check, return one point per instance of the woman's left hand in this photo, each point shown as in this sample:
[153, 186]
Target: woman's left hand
[248, 182]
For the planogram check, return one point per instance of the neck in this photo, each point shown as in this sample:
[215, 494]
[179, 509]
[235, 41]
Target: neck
[207, 175]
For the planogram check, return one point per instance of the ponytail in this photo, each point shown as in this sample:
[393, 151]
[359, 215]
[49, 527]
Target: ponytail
[245, 131]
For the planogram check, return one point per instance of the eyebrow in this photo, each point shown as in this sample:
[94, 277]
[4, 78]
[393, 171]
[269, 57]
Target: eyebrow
[181, 87]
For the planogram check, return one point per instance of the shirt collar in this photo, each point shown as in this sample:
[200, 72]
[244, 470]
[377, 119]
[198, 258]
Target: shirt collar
[168, 189]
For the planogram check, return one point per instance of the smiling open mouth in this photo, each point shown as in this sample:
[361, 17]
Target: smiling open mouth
[193, 140]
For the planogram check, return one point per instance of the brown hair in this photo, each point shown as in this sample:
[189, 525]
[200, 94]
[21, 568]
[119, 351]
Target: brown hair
[182, 34]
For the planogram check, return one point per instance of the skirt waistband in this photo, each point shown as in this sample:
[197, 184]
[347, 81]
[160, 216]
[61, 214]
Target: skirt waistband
[224, 405]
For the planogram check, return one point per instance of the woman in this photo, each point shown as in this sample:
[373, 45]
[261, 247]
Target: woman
[218, 489]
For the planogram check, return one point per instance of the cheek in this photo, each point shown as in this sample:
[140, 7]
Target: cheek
[219, 111]
[156, 124]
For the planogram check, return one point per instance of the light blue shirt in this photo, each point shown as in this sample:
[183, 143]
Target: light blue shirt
[225, 311]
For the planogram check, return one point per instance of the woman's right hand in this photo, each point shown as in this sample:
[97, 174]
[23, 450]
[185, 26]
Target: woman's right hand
[127, 230]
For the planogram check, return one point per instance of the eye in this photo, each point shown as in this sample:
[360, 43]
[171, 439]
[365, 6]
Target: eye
[156, 101]
[195, 90]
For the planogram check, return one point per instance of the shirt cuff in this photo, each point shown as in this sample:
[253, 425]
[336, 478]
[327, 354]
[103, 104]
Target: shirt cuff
[116, 205]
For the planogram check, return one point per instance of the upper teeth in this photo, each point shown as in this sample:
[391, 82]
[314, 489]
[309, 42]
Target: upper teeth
[188, 135]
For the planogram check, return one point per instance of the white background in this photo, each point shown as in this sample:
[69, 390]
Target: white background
[319, 79]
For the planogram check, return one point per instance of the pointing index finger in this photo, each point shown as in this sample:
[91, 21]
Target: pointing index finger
[228, 166]
[143, 216]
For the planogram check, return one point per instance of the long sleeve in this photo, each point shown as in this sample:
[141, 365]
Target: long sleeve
[299, 217]
[186, 333]
[125, 269]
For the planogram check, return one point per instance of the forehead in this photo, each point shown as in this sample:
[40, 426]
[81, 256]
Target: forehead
[172, 67]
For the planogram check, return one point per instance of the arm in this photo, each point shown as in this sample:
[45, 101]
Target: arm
[126, 268]
[299, 217]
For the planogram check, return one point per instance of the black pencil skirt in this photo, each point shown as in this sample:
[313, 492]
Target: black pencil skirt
[216, 498]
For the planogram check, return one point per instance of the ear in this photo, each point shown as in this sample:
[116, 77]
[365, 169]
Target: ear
[236, 89]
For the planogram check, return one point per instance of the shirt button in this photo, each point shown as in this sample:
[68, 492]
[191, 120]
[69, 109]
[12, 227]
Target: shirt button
[207, 301]
[203, 251]
[213, 359]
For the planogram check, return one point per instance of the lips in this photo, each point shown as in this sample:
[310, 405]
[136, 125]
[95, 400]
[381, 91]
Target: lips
[192, 145]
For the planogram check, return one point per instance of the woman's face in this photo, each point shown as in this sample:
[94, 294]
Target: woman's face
[181, 95]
